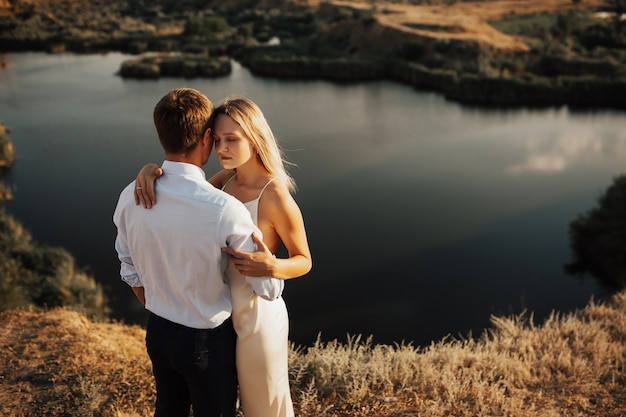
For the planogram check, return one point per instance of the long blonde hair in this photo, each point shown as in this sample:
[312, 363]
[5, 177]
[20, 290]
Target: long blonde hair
[257, 130]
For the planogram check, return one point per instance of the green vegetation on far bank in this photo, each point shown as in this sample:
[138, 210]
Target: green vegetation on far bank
[574, 57]
[180, 65]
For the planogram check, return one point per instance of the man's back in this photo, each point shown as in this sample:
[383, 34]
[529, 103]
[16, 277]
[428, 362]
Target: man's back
[174, 249]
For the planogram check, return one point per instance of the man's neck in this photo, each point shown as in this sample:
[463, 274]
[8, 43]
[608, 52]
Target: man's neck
[189, 159]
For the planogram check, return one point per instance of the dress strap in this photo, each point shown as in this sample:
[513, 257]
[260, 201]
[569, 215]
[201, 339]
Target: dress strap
[265, 186]
[228, 182]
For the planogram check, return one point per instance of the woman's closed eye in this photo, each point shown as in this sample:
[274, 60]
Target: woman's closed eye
[229, 139]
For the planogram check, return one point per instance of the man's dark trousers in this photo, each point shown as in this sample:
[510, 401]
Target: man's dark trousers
[192, 368]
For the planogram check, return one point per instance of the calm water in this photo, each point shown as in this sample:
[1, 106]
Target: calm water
[424, 216]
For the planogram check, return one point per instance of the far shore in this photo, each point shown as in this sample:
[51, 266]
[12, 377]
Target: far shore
[486, 53]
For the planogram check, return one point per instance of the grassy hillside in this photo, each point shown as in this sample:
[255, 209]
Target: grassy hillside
[59, 363]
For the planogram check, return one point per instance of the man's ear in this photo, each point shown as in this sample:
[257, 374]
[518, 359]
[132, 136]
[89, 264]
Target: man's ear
[208, 137]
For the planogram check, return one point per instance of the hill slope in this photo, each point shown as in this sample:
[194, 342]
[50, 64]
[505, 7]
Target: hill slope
[467, 20]
[58, 363]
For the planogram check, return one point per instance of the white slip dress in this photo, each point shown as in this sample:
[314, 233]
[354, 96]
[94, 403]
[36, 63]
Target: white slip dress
[262, 328]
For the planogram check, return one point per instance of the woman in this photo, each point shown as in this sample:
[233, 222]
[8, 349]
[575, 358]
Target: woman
[254, 173]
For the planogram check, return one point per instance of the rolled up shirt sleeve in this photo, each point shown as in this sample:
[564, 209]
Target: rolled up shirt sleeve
[128, 272]
[127, 268]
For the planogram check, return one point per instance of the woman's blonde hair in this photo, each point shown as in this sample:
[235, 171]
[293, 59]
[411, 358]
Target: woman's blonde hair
[257, 130]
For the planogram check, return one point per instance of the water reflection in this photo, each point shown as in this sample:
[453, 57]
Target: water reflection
[573, 145]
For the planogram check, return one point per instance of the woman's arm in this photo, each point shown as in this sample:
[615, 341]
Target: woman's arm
[144, 185]
[286, 220]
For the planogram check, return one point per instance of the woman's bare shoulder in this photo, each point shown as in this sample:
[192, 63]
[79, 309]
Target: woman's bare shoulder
[277, 195]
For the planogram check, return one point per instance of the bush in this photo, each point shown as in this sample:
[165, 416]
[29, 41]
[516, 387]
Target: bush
[598, 239]
[7, 152]
[184, 65]
[139, 69]
[33, 275]
[204, 26]
[195, 48]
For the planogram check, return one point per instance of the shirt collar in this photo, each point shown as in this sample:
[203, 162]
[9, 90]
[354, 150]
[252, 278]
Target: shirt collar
[183, 168]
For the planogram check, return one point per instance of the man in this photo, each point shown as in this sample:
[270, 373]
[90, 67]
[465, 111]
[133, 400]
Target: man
[171, 257]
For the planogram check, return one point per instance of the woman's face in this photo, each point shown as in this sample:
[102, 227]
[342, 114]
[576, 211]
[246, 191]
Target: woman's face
[231, 145]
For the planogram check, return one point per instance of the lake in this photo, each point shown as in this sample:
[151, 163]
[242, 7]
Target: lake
[424, 216]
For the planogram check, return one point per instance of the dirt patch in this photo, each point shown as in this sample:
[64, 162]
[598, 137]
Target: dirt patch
[466, 21]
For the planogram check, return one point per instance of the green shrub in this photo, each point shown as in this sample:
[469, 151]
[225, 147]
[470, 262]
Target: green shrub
[33, 275]
[204, 26]
[7, 152]
[195, 48]
[139, 69]
[598, 239]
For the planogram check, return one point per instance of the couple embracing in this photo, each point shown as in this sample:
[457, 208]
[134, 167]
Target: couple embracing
[202, 262]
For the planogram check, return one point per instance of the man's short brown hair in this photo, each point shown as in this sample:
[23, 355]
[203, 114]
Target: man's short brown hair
[181, 117]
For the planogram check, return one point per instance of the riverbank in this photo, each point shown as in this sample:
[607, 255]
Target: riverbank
[59, 363]
[493, 53]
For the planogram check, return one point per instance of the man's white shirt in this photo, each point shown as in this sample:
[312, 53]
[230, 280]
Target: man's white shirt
[173, 250]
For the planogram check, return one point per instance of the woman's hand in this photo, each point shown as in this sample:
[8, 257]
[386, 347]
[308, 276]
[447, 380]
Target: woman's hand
[261, 263]
[144, 185]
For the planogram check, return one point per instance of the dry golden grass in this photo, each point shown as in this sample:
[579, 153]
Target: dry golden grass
[58, 363]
